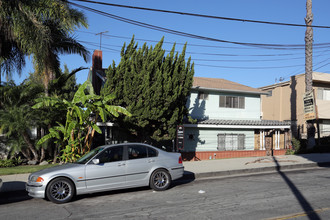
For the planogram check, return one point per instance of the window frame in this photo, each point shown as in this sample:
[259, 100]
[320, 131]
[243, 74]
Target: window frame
[230, 138]
[147, 150]
[203, 95]
[111, 148]
[229, 101]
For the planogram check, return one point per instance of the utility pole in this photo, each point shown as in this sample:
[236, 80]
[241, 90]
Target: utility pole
[309, 47]
[101, 37]
[309, 67]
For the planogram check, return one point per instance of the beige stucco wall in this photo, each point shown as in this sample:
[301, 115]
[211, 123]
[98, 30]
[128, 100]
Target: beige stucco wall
[300, 89]
[286, 101]
[274, 107]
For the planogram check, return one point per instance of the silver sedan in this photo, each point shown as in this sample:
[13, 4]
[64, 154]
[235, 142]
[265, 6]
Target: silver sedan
[106, 168]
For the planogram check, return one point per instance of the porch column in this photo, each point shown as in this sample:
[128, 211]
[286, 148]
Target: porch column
[277, 139]
[262, 140]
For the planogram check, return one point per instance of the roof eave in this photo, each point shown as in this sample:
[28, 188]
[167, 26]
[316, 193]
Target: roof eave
[228, 90]
[237, 126]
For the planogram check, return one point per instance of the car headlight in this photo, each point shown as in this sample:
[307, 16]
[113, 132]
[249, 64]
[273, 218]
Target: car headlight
[37, 179]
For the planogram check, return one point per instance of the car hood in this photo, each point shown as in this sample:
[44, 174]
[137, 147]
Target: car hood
[60, 168]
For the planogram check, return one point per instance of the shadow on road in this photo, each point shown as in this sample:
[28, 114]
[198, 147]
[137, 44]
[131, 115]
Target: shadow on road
[310, 212]
[175, 183]
[8, 195]
[13, 197]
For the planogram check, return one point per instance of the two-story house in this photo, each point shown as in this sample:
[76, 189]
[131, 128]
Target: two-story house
[284, 101]
[229, 122]
[228, 119]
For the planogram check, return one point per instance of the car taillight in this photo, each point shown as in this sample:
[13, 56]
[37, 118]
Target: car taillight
[180, 160]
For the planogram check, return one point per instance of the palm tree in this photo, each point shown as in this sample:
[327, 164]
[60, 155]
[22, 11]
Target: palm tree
[47, 60]
[16, 115]
[25, 29]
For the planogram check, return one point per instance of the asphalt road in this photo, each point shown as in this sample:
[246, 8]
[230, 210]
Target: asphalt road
[303, 194]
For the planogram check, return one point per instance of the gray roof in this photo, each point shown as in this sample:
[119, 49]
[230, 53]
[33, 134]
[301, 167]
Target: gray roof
[244, 122]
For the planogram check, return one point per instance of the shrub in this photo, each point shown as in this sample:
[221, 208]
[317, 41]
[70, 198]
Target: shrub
[289, 152]
[296, 145]
[7, 163]
[17, 161]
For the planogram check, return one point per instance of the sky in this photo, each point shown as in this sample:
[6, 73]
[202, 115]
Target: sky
[248, 65]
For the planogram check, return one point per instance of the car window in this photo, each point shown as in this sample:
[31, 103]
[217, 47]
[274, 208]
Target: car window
[111, 154]
[137, 151]
[84, 159]
[152, 152]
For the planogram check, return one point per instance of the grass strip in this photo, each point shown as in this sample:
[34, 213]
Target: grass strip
[23, 169]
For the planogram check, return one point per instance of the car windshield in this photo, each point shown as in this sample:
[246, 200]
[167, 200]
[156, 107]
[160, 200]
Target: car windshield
[84, 159]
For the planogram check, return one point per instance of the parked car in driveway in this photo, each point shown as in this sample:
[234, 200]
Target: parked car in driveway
[106, 168]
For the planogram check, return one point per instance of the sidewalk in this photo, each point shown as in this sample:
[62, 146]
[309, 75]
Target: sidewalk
[212, 168]
[241, 166]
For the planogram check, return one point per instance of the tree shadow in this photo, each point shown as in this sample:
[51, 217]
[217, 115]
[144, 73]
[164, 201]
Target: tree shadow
[192, 135]
[310, 212]
[198, 109]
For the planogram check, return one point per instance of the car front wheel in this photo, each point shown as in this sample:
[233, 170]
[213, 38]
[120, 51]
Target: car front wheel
[60, 190]
[160, 180]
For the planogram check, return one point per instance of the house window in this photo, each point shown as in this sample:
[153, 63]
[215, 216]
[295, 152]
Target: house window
[203, 96]
[228, 142]
[232, 102]
[323, 94]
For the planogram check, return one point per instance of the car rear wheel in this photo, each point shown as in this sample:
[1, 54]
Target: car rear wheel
[160, 180]
[60, 190]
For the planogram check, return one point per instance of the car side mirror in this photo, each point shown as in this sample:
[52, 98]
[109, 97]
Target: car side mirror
[96, 161]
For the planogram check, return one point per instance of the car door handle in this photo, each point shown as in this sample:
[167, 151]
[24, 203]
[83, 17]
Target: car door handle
[151, 161]
[121, 164]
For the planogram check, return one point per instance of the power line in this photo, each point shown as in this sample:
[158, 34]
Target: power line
[248, 67]
[223, 55]
[199, 45]
[302, 69]
[203, 15]
[184, 34]
[213, 60]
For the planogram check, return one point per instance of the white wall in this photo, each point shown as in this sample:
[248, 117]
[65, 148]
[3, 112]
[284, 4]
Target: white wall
[207, 139]
[209, 109]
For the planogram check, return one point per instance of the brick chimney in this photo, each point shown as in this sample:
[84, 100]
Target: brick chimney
[97, 59]
[97, 66]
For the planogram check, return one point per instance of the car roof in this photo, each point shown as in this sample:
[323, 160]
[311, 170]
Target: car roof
[130, 143]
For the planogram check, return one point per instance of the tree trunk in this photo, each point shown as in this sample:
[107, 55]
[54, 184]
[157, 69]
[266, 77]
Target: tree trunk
[30, 145]
[55, 154]
[26, 154]
[309, 47]
[309, 67]
[42, 156]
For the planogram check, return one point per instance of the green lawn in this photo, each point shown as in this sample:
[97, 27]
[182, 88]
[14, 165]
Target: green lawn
[23, 169]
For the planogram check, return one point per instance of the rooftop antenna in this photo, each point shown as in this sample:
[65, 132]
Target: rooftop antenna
[101, 37]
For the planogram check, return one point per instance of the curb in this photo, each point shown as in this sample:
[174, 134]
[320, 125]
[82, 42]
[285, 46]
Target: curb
[192, 176]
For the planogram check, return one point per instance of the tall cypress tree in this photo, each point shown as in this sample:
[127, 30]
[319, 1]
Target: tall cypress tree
[151, 86]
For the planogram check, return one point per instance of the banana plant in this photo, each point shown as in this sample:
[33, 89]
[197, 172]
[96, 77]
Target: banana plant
[75, 137]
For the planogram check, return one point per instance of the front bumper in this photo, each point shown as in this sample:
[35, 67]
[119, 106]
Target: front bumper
[35, 191]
